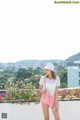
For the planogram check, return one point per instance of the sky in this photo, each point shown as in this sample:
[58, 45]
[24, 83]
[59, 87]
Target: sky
[38, 29]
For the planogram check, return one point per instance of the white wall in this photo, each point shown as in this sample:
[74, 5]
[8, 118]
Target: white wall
[73, 77]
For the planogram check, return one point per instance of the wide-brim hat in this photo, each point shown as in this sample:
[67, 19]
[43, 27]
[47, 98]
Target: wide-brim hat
[49, 66]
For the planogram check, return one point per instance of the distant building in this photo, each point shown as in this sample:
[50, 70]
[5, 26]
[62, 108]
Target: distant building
[73, 74]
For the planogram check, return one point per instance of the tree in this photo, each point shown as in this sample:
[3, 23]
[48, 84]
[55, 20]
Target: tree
[23, 73]
[62, 72]
[2, 82]
[37, 71]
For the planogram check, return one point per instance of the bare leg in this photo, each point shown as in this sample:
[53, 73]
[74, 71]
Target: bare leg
[45, 111]
[56, 115]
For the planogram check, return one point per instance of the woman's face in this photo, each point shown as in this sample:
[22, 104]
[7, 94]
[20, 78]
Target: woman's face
[47, 72]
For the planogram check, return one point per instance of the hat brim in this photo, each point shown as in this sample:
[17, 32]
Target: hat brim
[48, 68]
[45, 67]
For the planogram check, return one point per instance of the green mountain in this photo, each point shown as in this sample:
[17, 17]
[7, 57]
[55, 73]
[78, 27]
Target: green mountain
[73, 57]
[38, 61]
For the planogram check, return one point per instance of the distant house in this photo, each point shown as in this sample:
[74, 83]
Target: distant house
[73, 75]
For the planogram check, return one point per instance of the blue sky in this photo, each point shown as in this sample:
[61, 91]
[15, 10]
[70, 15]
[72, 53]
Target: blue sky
[38, 29]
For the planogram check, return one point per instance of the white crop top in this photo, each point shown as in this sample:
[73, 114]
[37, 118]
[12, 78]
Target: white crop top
[50, 84]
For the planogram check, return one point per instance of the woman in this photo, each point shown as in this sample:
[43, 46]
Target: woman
[49, 85]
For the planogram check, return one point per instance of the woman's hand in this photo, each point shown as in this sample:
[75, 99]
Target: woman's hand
[43, 91]
[55, 107]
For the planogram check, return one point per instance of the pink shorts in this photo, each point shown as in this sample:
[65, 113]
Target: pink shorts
[47, 99]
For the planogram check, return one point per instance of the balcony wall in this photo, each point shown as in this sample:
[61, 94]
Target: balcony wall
[69, 110]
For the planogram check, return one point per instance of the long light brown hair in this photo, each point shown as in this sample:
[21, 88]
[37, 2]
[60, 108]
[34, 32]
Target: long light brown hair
[53, 74]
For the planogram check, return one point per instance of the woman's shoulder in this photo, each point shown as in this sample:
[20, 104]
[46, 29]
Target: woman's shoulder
[42, 80]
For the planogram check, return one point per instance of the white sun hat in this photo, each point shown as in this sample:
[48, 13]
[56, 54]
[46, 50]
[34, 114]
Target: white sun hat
[49, 66]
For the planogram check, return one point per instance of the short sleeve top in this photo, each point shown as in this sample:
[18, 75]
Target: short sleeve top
[50, 84]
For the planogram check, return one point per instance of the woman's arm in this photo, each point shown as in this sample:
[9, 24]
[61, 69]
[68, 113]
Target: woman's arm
[56, 95]
[56, 90]
[41, 89]
[56, 98]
